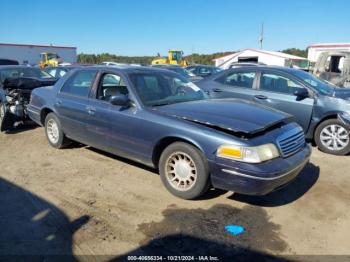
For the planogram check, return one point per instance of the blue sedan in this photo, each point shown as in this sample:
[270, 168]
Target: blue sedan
[160, 119]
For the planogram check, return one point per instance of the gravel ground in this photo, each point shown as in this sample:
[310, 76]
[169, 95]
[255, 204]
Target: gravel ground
[92, 206]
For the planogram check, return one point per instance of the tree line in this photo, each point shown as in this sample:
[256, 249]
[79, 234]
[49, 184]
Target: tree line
[206, 59]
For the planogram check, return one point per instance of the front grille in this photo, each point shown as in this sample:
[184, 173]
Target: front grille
[291, 142]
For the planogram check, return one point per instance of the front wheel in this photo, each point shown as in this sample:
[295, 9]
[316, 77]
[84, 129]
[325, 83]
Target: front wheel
[333, 137]
[54, 133]
[184, 170]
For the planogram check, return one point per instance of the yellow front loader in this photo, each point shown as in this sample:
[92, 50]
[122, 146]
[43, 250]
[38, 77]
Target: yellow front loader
[175, 57]
[49, 59]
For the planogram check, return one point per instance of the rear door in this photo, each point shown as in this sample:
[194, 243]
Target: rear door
[276, 90]
[72, 103]
[235, 84]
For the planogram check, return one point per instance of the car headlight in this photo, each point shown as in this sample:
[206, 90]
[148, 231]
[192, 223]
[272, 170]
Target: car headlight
[255, 154]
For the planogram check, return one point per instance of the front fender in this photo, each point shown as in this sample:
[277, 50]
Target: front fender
[344, 118]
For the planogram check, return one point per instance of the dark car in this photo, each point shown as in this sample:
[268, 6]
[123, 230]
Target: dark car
[180, 70]
[321, 109]
[16, 85]
[160, 119]
[203, 70]
[4, 61]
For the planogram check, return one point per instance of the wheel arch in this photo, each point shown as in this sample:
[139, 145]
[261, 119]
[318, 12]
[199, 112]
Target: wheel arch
[331, 115]
[43, 113]
[168, 140]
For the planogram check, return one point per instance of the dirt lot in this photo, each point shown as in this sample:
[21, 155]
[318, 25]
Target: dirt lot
[81, 202]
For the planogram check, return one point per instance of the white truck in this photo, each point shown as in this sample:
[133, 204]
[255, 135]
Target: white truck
[31, 54]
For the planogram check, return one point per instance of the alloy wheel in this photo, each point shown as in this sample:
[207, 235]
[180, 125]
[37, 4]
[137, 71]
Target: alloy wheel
[52, 131]
[181, 171]
[334, 137]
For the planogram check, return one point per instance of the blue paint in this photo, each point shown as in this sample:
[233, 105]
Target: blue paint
[234, 229]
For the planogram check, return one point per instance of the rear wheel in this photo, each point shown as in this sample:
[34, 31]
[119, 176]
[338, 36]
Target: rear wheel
[54, 133]
[333, 137]
[184, 170]
[2, 114]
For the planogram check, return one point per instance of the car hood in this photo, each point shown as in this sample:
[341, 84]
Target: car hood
[343, 93]
[27, 83]
[232, 115]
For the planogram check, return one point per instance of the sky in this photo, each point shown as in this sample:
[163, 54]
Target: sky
[148, 27]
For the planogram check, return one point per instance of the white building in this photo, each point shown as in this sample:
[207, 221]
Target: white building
[30, 54]
[316, 49]
[261, 56]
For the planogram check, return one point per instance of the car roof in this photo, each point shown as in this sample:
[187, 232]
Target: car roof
[17, 66]
[69, 67]
[126, 68]
[261, 67]
[201, 65]
[166, 65]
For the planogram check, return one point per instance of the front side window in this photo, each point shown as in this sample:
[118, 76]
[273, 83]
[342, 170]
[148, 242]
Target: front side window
[80, 83]
[159, 88]
[277, 83]
[320, 85]
[238, 79]
[111, 85]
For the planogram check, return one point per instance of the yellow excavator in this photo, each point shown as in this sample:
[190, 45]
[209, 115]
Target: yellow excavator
[175, 57]
[49, 59]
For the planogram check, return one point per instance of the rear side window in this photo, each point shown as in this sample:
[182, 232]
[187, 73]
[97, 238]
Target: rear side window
[79, 84]
[277, 83]
[238, 79]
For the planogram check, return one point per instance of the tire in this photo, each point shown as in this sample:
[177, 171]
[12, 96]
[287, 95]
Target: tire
[2, 114]
[336, 133]
[192, 177]
[54, 133]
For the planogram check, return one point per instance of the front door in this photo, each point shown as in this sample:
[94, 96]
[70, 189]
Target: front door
[277, 91]
[115, 128]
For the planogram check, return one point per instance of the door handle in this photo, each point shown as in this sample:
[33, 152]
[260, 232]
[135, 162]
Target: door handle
[261, 97]
[91, 110]
[217, 90]
[58, 103]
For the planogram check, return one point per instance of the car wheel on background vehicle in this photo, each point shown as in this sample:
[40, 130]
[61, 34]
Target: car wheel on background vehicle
[2, 113]
[332, 137]
[54, 132]
[184, 170]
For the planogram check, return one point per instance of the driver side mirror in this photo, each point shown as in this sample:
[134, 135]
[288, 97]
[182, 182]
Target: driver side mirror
[301, 93]
[120, 100]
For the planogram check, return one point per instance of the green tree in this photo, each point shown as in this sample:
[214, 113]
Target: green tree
[296, 52]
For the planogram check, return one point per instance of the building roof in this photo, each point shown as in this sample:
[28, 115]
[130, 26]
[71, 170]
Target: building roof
[273, 53]
[44, 46]
[330, 45]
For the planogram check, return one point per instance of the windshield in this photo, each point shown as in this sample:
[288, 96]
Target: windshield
[320, 85]
[159, 88]
[22, 72]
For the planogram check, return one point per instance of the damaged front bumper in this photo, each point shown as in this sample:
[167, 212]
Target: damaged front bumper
[258, 179]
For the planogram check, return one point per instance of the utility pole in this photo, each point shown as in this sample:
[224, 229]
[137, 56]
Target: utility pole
[261, 38]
